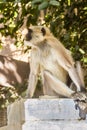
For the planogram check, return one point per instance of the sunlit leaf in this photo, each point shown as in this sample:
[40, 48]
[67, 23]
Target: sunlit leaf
[54, 3]
[82, 51]
[85, 60]
[85, 8]
[15, 14]
[1, 46]
[69, 2]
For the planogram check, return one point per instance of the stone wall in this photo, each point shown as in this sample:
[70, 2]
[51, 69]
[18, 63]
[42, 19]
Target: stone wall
[44, 114]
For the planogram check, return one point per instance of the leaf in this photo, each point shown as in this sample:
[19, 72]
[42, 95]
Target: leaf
[85, 59]
[15, 14]
[1, 46]
[43, 5]
[54, 3]
[82, 51]
[36, 1]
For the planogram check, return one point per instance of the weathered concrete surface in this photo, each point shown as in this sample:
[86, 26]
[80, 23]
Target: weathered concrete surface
[52, 114]
[12, 127]
[55, 125]
[15, 116]
[50, 109]
[15, 113]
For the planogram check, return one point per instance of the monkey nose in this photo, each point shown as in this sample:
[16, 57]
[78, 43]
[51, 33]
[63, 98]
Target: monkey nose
[28, 37]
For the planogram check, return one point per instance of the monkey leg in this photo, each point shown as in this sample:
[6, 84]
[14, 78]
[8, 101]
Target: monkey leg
[47, 90]
[58, 86]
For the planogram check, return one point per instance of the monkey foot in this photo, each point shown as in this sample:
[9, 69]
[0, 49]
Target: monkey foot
[80, 100]
[80, 96]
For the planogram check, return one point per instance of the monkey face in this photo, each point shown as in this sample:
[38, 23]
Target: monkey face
[35, 35]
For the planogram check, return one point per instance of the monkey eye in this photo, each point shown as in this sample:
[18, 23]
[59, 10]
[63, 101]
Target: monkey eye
[43, 31]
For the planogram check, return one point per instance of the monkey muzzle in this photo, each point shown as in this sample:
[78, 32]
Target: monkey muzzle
[29, 35]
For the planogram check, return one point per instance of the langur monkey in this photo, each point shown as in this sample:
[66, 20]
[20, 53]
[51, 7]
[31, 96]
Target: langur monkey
[53, 62]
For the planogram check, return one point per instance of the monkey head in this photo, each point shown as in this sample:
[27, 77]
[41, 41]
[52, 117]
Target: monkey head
[35, 35]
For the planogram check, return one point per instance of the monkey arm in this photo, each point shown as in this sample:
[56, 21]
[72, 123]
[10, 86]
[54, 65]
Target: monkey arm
[33, 77]
[31, 85]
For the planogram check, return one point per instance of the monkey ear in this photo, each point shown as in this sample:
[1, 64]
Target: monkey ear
[43, 31]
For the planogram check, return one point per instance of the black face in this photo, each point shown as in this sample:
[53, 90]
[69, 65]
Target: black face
[43, 31]
[29, 35]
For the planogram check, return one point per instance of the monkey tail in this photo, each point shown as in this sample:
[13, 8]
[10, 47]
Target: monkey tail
[80, 73]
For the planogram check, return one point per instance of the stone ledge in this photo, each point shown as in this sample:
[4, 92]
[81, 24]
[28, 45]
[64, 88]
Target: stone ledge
[50, 109]
[44, 114]
[55, 125]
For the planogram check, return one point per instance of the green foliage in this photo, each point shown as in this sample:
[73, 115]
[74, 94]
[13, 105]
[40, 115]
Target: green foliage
[10, 94]
[67, 20]
[43, 5]
[7, 95]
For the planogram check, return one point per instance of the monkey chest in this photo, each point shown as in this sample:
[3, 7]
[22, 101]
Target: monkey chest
[49, 63]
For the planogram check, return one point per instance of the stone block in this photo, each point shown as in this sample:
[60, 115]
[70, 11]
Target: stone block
[50, 109]
[15, 113]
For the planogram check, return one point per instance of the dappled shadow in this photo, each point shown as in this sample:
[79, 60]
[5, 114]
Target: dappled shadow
[12, 71]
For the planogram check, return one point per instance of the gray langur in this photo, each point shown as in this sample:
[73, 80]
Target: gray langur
[53, 62]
